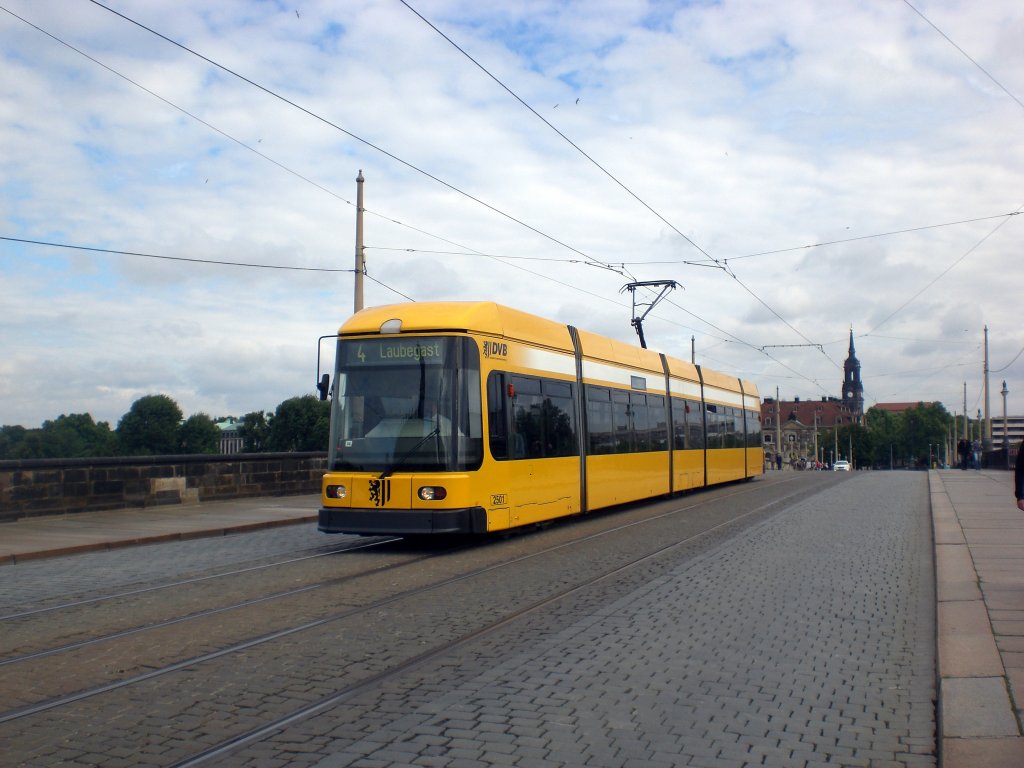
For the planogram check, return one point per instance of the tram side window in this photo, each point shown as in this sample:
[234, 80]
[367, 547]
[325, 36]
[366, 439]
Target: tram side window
[621, 421]
[695, 425]
[622, 427]
[641, 421]
[713, 418]
[733, 428]
[649, 426]
[680, 411]
[657, 418]
[689, 427]
[753, 429]
[600, 421]
[497, 415]
[543, 418]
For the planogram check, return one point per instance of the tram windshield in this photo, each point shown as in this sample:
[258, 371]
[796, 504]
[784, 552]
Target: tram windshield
[406, 404]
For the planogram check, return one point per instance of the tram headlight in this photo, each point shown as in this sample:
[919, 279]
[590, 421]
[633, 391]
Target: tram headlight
[432, 493]
[336, 492]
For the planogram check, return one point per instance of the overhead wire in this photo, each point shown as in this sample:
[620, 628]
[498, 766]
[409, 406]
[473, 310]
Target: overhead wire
[588, 258]
[270, 92]
[745, 344]
[544, 120]
[192, 260]
[590, 261]
[265, 157]
[942, 274]
[1000, 370]
[310, 113]
[865, 237]
[965, 54]
[181, 109]
[335, 195]
[574, 145]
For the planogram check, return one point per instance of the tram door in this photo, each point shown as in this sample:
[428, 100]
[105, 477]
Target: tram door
[534, 441]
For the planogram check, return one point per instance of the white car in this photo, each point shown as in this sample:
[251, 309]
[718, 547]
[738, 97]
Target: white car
[841, 466]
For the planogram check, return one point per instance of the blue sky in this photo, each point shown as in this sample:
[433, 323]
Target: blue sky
[752, 132]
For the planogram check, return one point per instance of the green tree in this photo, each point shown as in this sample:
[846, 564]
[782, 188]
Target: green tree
[12, 437]
[199, 434]
[887, 437]
[300, 424]
[925, 426]
[150, 428]
[77, 435]
[909, 437]
[66, 437]
[254, 431]
[844, 437]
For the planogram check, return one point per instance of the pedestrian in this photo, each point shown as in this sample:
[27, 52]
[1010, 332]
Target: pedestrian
[1018, 477]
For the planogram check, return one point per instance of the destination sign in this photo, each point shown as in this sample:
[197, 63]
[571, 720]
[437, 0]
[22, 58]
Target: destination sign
[393, 352]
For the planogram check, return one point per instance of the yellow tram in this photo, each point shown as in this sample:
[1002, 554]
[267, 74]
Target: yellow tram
[470, 417]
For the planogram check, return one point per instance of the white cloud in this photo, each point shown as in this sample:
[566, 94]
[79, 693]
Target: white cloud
[751, 127]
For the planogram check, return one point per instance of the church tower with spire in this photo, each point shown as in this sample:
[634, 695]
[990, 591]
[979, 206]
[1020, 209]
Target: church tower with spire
[853, 389]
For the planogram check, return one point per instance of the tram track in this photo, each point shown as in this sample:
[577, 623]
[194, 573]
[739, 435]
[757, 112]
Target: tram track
[82, 665]
[89, 601]
[34, 627]
[257, 734]
[360, 671]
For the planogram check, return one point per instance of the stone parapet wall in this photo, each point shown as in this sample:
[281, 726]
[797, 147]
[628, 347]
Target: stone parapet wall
[62, 486]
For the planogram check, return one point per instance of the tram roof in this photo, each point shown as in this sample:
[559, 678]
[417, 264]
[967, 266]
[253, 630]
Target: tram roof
[486, 317]
[491, 318]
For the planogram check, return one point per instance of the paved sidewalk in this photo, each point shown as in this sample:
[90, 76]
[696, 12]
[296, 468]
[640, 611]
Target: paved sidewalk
[37, 537]
[979, 563]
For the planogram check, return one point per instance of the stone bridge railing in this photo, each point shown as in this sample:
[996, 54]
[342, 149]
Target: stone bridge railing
[62, 486]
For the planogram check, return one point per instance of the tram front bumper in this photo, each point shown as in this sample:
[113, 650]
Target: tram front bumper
[402, 521]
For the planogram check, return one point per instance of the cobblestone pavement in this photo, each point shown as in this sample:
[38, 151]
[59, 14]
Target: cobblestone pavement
[807, 640]
[34, 584]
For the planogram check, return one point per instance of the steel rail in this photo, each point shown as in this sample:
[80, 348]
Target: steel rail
[256, 734]
[196, 580]
[231, 744]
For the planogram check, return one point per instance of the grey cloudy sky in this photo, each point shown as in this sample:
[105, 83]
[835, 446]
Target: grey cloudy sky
[799, 168]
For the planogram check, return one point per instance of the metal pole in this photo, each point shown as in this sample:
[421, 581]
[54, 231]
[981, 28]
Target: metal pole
[360, 263]
[816, 437]
[1006, 438]
[778, 426]
[987, 435]
[956, 429]
[967, 423]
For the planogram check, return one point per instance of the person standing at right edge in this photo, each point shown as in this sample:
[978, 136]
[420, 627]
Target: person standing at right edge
[1018, 477]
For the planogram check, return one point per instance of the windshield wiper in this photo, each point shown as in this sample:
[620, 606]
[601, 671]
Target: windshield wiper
[395, 465]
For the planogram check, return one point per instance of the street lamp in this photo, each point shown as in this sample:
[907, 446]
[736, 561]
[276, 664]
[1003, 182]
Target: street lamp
[1006, 439]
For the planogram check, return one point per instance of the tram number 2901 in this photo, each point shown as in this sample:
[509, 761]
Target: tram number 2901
[498, 500]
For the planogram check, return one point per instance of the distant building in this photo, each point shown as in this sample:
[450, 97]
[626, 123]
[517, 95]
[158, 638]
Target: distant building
[230, 435]
[853, 389]
[799, 422]
[1014, 432]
